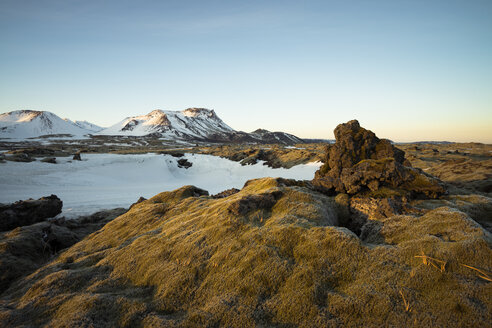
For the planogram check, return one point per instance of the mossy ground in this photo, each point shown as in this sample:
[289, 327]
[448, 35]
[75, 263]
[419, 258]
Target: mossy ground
[185, 260]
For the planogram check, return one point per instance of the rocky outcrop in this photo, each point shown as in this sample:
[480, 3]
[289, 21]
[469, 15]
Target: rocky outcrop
[24, 249]
[226, 193]
[184, 163]
[359, 162]
[19, 157]
[141, 199]
[26, 212]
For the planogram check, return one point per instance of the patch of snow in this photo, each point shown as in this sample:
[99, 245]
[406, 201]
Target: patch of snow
[103, 181]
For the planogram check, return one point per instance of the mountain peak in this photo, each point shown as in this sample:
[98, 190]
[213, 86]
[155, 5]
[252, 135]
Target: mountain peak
[25, 115]
[260, 131]
[23, 124]
[194, 112]
[156, 112]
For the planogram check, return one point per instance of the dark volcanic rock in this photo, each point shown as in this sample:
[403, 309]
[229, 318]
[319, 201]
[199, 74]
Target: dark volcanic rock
[183, 163]
[226, 193]
[26, 212]
[141, 199]
[360, 162]
[24, 249]
[172, 153]
[51, 160]
[252, 203]
[19, 157]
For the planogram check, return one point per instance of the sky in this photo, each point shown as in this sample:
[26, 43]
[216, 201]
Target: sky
[409, 70]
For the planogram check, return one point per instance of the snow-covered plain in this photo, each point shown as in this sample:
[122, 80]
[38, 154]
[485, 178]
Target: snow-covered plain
[104, 181]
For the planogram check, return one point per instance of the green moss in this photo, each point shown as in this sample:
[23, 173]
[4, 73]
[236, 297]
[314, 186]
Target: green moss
[384, 192]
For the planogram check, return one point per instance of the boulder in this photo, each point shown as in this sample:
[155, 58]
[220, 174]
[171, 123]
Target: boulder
[183, 163]
[27, 212]
[361, 163]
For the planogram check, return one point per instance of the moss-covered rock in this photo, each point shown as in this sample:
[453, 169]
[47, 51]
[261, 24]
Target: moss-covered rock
[184, 259]
[359, 162]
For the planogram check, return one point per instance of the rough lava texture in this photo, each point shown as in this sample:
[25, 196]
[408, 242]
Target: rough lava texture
[26, 212]
[360, 162]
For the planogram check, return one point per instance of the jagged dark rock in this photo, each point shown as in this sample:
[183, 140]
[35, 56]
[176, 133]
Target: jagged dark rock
[173, 154]
[19, 157]
[25, 249]
[26, 212]
[226, 193]
[183, 163]
[252, 203]
[141, 199]
[359, 162]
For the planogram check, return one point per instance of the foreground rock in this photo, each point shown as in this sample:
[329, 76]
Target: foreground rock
[269, 255]
[360, 162]
[25, 249]
[26, 212]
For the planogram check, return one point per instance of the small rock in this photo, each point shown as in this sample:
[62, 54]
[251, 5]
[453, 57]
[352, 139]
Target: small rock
[51, 160]
[183, 163]
[226, 193]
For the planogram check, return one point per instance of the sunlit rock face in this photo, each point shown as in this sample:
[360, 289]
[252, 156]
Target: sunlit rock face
[360, 162]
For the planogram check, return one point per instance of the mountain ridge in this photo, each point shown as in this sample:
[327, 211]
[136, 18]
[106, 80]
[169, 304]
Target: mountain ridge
[189, 125]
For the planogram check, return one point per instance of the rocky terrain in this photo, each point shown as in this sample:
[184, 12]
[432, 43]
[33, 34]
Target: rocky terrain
[383, 235]
[27, 212]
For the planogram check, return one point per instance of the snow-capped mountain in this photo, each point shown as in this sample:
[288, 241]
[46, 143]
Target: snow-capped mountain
[192, 124]
[275, 137]
[86, 125]
[23, 124]
[189, 124]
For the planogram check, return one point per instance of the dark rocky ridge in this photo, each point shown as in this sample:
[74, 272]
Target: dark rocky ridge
[26, 212]
[25, 249]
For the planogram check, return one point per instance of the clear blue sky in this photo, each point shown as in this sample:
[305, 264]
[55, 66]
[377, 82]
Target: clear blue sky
[408, 70]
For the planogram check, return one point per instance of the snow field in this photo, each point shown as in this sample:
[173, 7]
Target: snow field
[104, 181]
